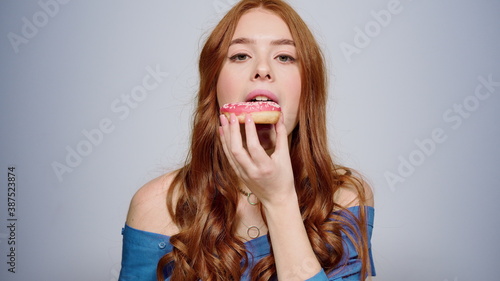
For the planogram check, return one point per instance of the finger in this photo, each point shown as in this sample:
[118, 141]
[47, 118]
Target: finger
[257, 152]
[225, 137]
[281, 135]
[236, 148]
[234, 130]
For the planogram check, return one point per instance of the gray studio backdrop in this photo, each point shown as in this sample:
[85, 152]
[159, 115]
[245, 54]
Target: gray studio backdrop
[96, 99]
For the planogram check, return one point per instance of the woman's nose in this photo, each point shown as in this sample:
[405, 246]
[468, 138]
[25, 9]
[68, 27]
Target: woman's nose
[263, 71]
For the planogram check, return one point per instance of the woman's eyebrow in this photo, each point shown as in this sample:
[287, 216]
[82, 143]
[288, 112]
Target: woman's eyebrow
[243, 40]
[283, 42]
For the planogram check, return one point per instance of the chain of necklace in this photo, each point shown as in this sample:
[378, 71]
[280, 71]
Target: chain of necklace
[253, 231]
[248, 195]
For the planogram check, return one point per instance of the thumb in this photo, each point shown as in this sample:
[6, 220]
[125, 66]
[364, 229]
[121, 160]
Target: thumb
[281, 135]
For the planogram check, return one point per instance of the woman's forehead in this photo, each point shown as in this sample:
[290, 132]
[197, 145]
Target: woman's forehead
[261, 25]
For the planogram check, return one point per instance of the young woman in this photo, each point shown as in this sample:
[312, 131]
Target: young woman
[254, 202]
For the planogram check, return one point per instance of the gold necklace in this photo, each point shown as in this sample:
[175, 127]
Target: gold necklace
[248, 195]
[253, 231]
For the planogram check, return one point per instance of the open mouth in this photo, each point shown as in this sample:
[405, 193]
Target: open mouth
[260, 99]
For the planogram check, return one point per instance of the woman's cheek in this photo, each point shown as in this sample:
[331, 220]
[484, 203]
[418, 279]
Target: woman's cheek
[225, 87]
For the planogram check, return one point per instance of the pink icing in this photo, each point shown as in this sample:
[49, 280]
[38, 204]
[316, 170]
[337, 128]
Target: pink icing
[243, 107]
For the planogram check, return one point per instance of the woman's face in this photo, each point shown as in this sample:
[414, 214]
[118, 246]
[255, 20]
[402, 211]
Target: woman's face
[261, 63]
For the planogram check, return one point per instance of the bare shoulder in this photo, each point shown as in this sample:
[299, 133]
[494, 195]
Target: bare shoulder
[148, 207]
[354, 189]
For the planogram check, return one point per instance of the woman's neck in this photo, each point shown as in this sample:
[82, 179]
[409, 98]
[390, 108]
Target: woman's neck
[250, 223]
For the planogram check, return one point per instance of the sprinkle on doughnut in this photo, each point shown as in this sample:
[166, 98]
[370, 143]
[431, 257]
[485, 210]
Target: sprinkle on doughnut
[263, 112]
[249, 107]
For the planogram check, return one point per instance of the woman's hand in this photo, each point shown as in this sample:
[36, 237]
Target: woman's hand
[269, 177]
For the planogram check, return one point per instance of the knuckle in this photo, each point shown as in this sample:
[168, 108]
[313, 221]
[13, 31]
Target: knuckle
[237, 153]
[253, 146]
[266, 171]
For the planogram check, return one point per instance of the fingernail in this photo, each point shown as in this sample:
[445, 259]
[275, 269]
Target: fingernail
[248, 118]
[233, 118]
[223, 120]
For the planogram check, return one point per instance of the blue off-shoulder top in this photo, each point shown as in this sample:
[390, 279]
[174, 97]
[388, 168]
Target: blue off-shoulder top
[142, 250]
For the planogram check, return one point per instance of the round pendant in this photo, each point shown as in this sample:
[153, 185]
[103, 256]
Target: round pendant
[250, 201]
[253, 232]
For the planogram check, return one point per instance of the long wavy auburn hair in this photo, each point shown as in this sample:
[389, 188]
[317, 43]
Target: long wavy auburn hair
[202, 198]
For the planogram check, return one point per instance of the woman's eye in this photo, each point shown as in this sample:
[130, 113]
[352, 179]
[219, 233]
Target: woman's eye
[239, 57]
[285, 58]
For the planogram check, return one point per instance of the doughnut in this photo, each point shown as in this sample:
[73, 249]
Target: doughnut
[263, 112]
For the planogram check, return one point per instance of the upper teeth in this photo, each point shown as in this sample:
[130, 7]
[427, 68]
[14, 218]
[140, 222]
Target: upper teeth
[261, 98]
